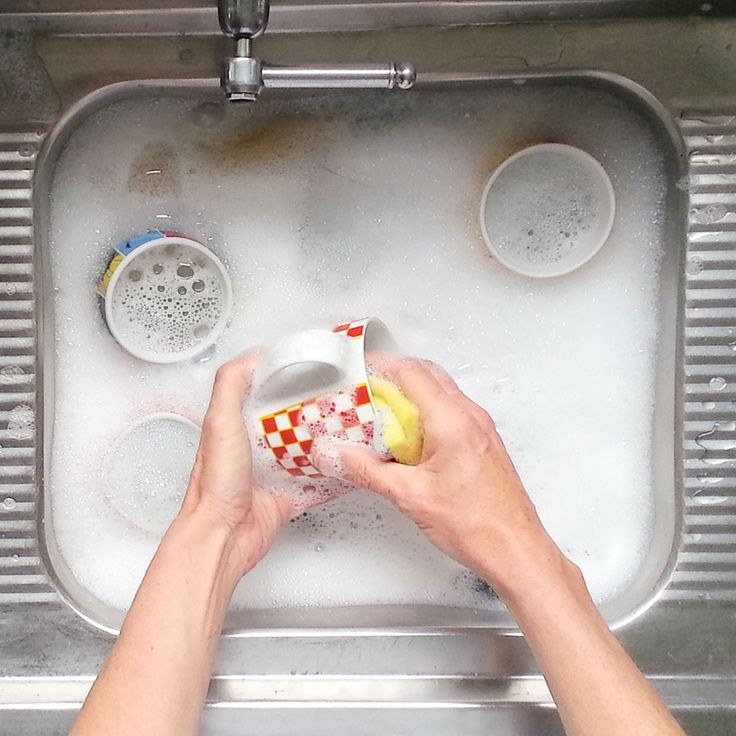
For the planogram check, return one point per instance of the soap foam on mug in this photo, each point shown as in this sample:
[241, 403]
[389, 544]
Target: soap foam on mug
[167, 300]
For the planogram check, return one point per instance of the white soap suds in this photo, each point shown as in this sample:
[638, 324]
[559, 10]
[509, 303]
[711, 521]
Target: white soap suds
[327, 456]
[342, 206]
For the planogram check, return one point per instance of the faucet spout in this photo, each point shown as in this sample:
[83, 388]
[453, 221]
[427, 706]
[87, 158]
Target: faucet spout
[389, 75]
[244, 76]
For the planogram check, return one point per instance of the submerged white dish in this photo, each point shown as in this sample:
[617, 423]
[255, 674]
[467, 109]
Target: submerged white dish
[144, 485]
[547, 210]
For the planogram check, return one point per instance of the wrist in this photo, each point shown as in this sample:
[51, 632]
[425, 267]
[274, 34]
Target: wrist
[523, 561]
[207, 534]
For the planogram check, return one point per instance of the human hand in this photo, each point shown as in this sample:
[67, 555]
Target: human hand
[221, 482]
[465, 494]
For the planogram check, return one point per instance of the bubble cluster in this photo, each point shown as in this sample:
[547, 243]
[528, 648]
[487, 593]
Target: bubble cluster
[167, 300]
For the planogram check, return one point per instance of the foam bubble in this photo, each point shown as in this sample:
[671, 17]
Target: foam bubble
[327, 456]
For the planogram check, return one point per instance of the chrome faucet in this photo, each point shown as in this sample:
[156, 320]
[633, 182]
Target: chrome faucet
[244, 76]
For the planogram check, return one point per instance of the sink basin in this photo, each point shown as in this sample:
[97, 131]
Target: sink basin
[322, 198]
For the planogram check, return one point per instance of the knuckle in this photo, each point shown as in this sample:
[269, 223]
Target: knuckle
[225, 373]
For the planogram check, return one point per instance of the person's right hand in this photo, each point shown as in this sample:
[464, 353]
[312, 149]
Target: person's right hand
[465, 494]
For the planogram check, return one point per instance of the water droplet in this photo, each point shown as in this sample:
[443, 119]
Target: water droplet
[683, 183]
[184, 271]
[9, 503]
[11, 374]
[718, 383]
[198, 286]
[10, 289]
[710, 500]
[182, 290]
[716, 444]
[201, 331]
[26, 150]
[134, 274]
[708, 214]
[694, 266]
[708, 480]
[16, 557]
[157, 268]
[21, 422]
[318, 547]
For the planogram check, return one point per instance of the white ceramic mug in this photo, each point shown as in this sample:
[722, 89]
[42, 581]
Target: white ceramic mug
[314, 384]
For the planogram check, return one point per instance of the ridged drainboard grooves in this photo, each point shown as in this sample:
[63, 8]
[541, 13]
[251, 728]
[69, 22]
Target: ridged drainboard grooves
[22, 578]
[707, 563]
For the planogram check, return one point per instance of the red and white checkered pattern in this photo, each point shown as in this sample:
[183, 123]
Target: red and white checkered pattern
[346, 415]
[352, 329]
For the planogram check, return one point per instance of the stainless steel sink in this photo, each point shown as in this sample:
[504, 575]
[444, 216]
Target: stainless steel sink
[400, 669]
[528, 109]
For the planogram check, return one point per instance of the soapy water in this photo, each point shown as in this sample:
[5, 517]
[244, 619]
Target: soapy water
[167, 300]
[566, 367]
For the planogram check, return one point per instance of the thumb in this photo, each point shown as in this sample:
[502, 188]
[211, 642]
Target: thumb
[358, 465]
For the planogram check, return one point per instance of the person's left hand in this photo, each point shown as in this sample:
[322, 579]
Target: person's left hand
[221, 482]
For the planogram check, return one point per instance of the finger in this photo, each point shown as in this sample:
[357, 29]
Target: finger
[443, 378]
[223, 429]
[232, 381]
[360, 466]
[389, 364]
[415, 380]
[453, 390]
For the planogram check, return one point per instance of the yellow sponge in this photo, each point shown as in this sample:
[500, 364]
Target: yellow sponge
[402, 430]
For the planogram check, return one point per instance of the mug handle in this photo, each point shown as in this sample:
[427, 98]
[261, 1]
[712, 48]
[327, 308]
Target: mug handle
[321, 347]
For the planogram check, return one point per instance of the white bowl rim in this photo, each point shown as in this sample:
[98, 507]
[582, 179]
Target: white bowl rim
[152, 356]
[593, 165]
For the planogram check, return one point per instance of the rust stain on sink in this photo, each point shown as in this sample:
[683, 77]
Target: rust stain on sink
[266, 141]
[155, 172]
